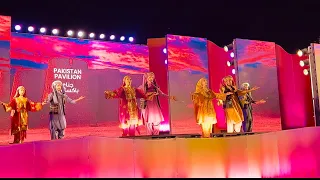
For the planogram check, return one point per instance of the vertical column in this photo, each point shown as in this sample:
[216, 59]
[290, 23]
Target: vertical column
[315, 80]
[218, 69]
[158, 64]
[256, 64]
[5, 37]
[187, 63]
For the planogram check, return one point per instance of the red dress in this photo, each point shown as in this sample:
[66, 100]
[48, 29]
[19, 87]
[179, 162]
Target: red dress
[19, 120]
[128, 108]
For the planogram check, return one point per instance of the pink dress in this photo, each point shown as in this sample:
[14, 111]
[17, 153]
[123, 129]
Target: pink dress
[152, 112]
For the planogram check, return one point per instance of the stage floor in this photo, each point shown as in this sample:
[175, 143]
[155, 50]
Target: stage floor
[290, 153]
[111, 129]
[106, 129]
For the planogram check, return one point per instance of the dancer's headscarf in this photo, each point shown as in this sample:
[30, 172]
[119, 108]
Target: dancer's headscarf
[55, 93]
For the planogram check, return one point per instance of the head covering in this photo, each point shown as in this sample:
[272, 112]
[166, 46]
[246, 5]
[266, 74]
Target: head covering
[124, 80]
[17, 92]
[199, 86]
[154, 82]
[55, 93]
[144, 82]
[245, 84]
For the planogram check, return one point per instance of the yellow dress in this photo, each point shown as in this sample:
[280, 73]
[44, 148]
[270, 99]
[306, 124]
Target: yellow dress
[203, 106]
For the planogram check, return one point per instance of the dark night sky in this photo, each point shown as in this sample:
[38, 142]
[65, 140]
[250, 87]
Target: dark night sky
[291, 24]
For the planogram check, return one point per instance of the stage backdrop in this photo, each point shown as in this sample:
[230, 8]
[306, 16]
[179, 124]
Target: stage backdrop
[5, 35]
[316, 49]
[187, 63]
[256, 64]
[87, 68]
[295, 91]
[218, 69]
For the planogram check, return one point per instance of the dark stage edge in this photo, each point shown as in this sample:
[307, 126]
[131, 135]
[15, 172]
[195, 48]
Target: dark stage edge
[214, 135]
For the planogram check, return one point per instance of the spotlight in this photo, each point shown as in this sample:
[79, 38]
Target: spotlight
[131, 39]
[55, 31]
[304, 51]
[232, 54]
[70, 33]
[230, 63]
[17, 27]
[304, 62]
[112, 37]
[306, 72]
[122, 38]
[43, 30]
[30, 29]
[164, 50]
[228, 47]
[102, 36]
[165, 61]
[233, 71]
[80, 34]
[91, 35]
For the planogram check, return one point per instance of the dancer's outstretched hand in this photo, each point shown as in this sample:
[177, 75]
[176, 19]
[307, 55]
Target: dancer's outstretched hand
[254, 88]
[80, 98]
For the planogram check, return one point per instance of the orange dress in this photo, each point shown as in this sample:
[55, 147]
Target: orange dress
[203, 106]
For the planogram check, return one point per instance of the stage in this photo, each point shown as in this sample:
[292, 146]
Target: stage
[291, 153]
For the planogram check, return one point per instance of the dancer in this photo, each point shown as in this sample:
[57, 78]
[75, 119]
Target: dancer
[57, 119]
[151, 110]
[19, 107]
[203, 106]
[128, 108]
[247, 102]
[232, 105]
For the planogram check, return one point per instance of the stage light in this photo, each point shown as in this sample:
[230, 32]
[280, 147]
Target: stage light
[70, 33]
[131, 39]
[230, 63]
[102, 36]
[304, 51]
[166, 62]
[80, 34]
[164, 50]
[306, 72]
[232, 54]
[122, 38]
[112, 37]
[228, 47]
[304, 62]
[91, 35]
[43, 30]
[55, 31]
[17, 27]
[233, 71]
[30, 29]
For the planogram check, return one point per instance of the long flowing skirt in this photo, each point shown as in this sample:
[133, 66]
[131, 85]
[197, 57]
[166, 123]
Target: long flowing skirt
[152, 113]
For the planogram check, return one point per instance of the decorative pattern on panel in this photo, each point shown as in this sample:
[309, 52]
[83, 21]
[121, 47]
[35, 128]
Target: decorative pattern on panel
[256, 64]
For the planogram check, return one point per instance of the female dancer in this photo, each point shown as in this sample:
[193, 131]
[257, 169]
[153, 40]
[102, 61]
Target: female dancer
[19, 107]
[128, 108]
[151, 110]
[203, 107]
[232, 105]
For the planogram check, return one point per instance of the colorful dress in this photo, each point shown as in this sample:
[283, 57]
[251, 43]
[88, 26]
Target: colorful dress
[232, 108]
[204, 110]
[128, 108]
[152, 112]
[19, 121]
